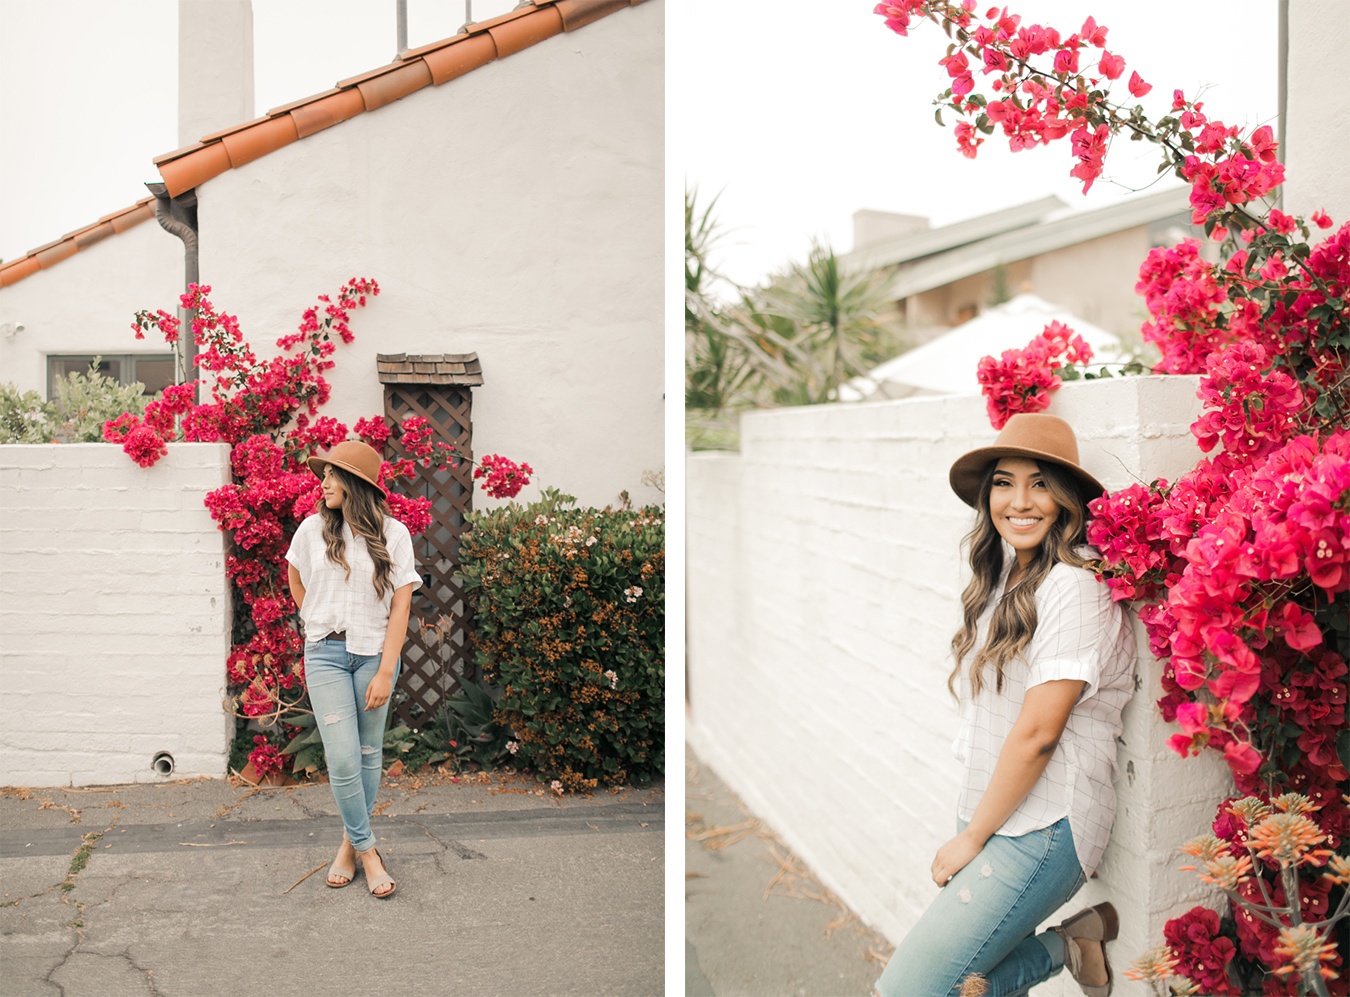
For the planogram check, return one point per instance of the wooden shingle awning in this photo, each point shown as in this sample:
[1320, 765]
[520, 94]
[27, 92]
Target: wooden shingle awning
[429, 368]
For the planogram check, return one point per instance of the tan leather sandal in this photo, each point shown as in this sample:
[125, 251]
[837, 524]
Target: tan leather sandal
[333, 870]
[382, 880]
[1095, 924]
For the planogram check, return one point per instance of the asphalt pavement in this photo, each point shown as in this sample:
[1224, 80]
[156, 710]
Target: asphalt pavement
[757, 921]
[198, 888]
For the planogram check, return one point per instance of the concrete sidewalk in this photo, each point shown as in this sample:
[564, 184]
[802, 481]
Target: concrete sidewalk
[757, 921]
[190, 890]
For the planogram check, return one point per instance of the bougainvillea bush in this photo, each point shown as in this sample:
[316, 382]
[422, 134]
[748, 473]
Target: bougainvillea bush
[1240, 568]
[268, 412]
[569, 614]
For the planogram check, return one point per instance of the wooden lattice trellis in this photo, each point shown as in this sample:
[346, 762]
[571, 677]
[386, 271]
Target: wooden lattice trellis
[437, 387]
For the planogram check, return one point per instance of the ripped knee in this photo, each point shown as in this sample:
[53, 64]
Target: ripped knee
[367, 751]
[331, 718]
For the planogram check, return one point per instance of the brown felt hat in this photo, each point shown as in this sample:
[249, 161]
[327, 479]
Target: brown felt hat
[1028, 434]
[354, 457]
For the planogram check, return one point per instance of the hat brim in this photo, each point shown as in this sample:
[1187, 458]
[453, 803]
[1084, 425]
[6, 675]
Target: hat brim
[968, 470]
[317, 464]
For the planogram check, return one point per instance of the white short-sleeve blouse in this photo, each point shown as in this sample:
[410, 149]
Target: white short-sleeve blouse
[1080, 634]
[335, 602]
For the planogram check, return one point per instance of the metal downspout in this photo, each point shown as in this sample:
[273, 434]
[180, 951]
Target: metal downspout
[178, 216]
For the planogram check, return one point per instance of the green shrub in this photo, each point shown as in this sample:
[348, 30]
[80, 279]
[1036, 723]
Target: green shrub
[569, 620]
[84, 402]
[25, 417]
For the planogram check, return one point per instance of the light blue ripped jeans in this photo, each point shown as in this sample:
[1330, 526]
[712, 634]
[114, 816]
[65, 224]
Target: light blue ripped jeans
[353, 737]
[982, 921]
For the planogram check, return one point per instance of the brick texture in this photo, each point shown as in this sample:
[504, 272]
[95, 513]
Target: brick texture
[823, 590]
[114, 614]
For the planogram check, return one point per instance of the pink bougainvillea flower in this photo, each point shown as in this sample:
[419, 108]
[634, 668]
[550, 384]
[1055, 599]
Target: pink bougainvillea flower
[1192, 718]
[1066, 61]
[1138, 87]
[1111, 66]
[1321, 219]
[1263, 144]
[1242, 757]
[1279, 221]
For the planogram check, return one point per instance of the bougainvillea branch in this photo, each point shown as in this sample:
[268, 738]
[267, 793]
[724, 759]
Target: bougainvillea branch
[1241, 567]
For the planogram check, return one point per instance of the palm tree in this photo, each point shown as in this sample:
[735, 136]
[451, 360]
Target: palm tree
[838, 314]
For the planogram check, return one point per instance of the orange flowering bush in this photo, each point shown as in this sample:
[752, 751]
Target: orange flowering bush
[569, 611]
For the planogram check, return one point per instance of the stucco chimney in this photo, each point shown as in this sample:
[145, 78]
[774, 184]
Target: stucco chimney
[215, 66]
[871, 227]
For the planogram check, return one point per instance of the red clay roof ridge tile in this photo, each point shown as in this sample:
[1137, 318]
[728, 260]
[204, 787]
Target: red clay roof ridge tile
[13, 271]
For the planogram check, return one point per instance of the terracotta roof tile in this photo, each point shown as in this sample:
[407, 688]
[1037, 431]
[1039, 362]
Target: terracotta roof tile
[50, 257]
[92, 235]
[72, 242]
[285, 108]
[429, 368]
[195, 168]
[450, 61]
[522, 32]
[131, 217]
[433, 64]
[338, 106]
[389, 87]
[177, 153]
[18, 269]
[253, 143]
[208, 139]
[579, 13]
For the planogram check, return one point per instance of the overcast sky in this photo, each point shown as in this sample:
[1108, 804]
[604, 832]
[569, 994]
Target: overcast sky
[801, 113]
[798, 112]
[91, 91]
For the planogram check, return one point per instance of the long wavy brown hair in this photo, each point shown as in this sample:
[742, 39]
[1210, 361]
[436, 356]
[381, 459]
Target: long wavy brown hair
[363, 509]
[1014, 621]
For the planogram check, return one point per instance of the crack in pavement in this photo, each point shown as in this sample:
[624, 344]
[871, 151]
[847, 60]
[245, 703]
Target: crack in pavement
[460, 849]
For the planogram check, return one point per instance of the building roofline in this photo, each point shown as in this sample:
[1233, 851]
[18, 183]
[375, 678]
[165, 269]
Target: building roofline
[227, 149]
[920, 244]
[1033, 240]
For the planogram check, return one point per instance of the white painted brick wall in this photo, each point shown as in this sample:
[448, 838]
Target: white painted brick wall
[823, 590]
[114, 614]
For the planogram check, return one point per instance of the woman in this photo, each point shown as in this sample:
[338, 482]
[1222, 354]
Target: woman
[1043, 667]
[352, 574]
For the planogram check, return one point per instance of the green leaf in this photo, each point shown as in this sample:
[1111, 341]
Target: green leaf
[938, 116]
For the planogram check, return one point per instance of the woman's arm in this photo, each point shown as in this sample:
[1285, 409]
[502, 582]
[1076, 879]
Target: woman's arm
[1026, 752]
[377, 693]
[297, 588]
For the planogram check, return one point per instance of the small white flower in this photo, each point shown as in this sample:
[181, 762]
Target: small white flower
[613, 679]
[556, 786]
[541, 520]
[512, 747]
[591, 542]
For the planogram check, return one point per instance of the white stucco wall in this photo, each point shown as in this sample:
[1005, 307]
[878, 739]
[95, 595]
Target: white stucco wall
[114, 612]
[85, 303]
[515, 212]
[1317, 138]
[823, 590]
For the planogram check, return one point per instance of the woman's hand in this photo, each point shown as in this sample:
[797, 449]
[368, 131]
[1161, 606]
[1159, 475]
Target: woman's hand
[954, 856]
[377, 693]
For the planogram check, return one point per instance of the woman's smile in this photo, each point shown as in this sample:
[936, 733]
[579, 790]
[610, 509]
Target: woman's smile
[1020, 505]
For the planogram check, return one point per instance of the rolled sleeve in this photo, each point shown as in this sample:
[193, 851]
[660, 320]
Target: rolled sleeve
[1069, 625]
[403, 561]
[298, 553]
